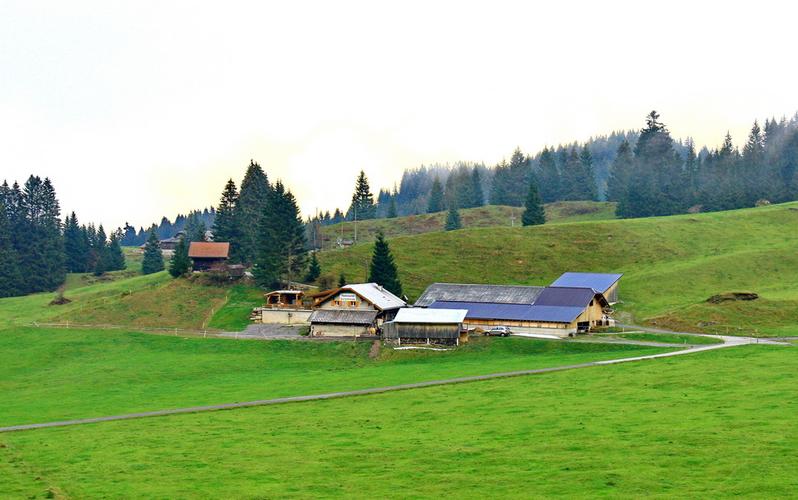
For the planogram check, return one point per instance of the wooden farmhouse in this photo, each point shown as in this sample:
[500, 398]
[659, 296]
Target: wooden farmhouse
[554, 310]
[283, 306]
[417, 325]
[206, 256]
[353, 310]
[605, 284]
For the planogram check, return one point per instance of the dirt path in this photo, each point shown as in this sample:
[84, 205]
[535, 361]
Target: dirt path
[728, 342]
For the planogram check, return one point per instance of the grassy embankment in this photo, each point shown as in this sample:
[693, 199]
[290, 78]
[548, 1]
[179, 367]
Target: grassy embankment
[715, 424]
[671, 265]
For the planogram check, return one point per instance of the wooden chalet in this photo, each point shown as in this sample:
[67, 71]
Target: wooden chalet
[206, 256]
[353, 310]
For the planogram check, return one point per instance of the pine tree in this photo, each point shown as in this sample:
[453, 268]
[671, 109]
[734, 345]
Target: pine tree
[622, 167]
[100, 248]
[391, 208]
[436, 199]
[76, 248]
[153, 257]
[10, 276]
[533, 211]
[38, 238]
[251, 206]
[587, 178]
[572, 176]
[383, 268]
[226, 226]
[116, 258]
[314, 269]
[362, 207]
[453, 219]
[477, 196]
[180, 263]
[341, 281]
[282, 240]
[549, 174]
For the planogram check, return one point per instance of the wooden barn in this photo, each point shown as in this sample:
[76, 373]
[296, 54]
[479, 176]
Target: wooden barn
[416, 325]
[206, 256]
[353, 310]
[605, 284]
[560, 311]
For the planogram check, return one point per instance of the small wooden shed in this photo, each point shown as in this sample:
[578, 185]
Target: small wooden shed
[208, 255]
[413, 325]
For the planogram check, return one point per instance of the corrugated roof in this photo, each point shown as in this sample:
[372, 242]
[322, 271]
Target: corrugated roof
[513, 312]
[430, 316]
[597, 281]
[497, 294]
[565, 297]
[343, 317]
[209, 250]
[377, 295]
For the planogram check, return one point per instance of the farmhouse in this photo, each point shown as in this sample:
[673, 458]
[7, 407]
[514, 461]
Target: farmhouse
[416, 325]
[605, 284]
[206, 256]
[353, 310]
[559, 310]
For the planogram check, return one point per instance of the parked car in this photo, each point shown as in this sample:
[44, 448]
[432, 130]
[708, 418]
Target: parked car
[499, 331]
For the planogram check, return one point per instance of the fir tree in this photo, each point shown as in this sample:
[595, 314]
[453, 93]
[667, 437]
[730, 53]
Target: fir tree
[391, 208]
[362, 207]
[383, 269]
[314, 269]
[116, 258]
[10, 276]
[587, 179]
[180, 263]
[549, 174]
[622, 168]
[76, 248]
[226, 226]
[453, 219]
[341, 280]
[436, 198]
[533, 211]
[153, 257]
[477, 196]
[282, 244]
[251, 207]
[100, 249]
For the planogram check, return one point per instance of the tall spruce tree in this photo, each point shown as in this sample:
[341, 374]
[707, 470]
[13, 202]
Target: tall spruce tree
[587, 178]
[549, 175]
[179, 263]
[453, 222]
[100, 248]
[116, 257]
[314, 269]
[436, 199]
[341, 280]
[282, 240]
[227, 225]
[251, 207]
[362, 207]
[10, 277]
[76, 247]
[391, 208]
[533, 208]
[39, 242]
[477, 195]
[383, 268]
[572, 176]
[153, 257]
[622, 167]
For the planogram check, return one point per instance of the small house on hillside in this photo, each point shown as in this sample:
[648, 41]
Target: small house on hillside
[353, 310]
[417, 325]
[605, 284]
[206, 256]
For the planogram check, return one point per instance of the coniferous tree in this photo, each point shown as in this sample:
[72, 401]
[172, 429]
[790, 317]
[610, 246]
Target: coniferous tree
[341, 281]
[153, 257]
[572, 176]
[587, 179]
[362, 207]
[39, 241]
[383, 268]
[391, 208]
[533, 211]
[100, 249]
[76, 247]
[226, 226]
[10, 277]
[282, 245]
[251, 207]
[502, 184]
[179, 264]
[621, 171]
[314, 269]
[436, 198]
[550, 188]
[453, 219]
[116, 258]
[477, 195]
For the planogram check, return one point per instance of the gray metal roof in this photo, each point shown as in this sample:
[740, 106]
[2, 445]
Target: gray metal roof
[496, 294]
[343, 317]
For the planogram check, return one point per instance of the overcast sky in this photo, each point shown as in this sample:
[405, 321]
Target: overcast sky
[140, 109]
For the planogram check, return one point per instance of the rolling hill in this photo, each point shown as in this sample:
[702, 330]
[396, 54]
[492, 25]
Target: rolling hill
[671, 265]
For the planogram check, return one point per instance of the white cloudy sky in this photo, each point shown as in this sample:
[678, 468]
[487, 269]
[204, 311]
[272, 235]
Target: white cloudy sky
[139, 109]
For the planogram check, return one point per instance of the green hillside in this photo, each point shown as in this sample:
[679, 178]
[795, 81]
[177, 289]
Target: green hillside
[671, 265]
[487, 216]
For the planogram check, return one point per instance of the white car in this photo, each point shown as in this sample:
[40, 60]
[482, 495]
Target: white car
[499, 331]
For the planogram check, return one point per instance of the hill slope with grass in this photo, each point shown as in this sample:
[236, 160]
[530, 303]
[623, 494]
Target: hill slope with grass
[671, 265]
[487, 216]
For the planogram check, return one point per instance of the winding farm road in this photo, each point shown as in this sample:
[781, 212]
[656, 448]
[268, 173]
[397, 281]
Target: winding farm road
[727, 342]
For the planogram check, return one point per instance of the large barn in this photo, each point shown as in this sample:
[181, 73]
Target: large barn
[558, 310]
[605, 284]
[353, 310]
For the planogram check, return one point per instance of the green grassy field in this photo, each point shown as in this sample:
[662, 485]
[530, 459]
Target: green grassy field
[715, 424]
[487, 216]
[668, 338]
[671, 265]
[51, 374]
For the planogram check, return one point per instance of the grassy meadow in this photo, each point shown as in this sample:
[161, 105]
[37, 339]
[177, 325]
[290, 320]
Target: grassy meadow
[671, 265]
[715, 424]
